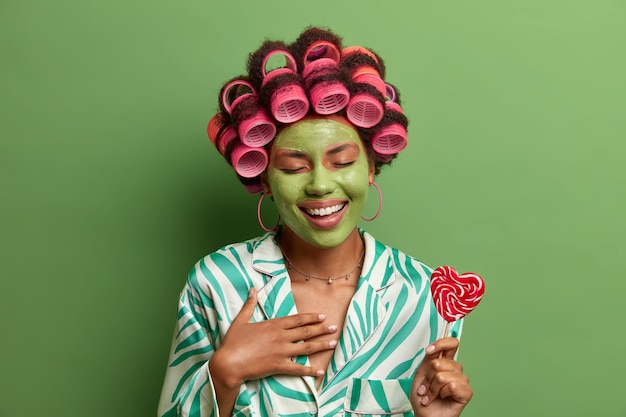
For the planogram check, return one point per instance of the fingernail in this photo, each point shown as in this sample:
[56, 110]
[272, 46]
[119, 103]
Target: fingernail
[250, 292]
[421, 390]
[332, 328]
[430, 348]
[332, 343]
[425, 400]
[319, 372]
[322, 316]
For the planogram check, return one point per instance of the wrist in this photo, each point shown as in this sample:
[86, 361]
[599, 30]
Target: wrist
[223, 373]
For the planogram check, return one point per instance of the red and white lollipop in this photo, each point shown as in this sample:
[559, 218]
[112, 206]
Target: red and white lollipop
[455, 295]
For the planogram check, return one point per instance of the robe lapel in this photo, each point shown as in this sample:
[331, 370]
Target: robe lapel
[275, 297]
[273, 284]
[366, 312]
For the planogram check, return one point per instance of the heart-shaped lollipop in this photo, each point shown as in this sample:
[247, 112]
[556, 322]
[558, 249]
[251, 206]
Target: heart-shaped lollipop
[455, 295]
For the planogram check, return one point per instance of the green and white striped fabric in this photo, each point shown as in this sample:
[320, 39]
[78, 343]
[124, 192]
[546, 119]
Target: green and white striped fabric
[391, 319]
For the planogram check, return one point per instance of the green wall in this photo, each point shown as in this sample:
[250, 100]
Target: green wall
[111, 190]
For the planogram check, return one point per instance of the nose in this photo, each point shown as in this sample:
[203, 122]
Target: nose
[320, 182]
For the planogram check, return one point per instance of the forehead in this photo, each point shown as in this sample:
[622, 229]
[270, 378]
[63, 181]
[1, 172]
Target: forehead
[315, 135]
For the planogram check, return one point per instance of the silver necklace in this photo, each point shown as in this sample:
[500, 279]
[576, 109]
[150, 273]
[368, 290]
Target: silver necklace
[330, 280]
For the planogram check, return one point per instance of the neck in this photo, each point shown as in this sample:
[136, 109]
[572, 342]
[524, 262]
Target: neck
[318, 261]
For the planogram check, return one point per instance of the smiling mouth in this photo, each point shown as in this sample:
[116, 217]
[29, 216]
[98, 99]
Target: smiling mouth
[326, 211]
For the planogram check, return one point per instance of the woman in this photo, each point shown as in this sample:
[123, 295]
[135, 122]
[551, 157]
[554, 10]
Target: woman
[315, 317]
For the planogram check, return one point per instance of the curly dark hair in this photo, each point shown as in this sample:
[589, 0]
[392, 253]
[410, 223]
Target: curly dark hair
[356, 72]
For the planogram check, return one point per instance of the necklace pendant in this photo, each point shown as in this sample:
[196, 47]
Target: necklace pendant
[307, 277]
[330, 281]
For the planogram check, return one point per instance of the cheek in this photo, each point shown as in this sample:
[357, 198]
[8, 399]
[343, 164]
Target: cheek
[285, 191]
[356, 183]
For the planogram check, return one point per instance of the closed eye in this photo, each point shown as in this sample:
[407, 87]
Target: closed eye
[343, 164]
[292, 170]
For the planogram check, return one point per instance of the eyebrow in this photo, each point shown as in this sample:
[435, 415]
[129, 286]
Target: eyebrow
[340, 148]
[293, 154]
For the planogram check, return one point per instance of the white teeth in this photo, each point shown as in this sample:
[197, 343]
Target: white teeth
[324, 211]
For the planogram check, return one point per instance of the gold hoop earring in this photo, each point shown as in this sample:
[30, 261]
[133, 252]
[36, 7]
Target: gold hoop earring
[380, 203]
[258, 215]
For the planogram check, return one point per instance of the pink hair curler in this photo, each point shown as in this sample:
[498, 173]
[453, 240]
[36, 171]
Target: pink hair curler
[321, 49]
[234, 92]
[255, 130]
[253, 185]
[392, 105]
[369, 75]
[290, 62]
[390, 140]
[371, 79]
[220, 136]
[288, 102]
[254, 188]
[390, 92]
[249, 162]
[390, 96]
[322, 66]
[358, 49]
[213, 128]
[327, 96]
[364, 110]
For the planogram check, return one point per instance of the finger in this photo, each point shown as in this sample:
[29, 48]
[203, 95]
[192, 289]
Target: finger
[299, 320]
[245, 314]
[309, 331]
[445, 347]
[454, 383]
[429, 373]
[449, 345]
[460, 392]
[443, 365]
[291, 368]
[309, 348]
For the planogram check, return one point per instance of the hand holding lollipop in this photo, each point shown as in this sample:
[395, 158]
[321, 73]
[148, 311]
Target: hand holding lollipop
[439, 387]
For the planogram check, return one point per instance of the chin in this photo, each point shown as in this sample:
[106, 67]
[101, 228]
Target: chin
[327, 239]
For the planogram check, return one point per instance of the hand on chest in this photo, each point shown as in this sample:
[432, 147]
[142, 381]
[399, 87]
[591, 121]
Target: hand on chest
[331, 300]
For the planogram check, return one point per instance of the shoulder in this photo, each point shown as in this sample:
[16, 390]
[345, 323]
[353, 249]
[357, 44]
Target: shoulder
[230, 262]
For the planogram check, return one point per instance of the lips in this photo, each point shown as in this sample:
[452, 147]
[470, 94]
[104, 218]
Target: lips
[324, 214]
[324, 211]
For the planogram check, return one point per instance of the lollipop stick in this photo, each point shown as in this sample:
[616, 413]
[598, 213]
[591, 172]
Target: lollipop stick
[445, 334]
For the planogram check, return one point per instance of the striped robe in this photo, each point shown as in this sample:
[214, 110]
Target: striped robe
[390, 320]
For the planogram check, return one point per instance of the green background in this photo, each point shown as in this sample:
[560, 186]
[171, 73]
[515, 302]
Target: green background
[110, 189]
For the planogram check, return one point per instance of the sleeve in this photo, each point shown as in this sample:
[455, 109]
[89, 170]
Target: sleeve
[188, 389]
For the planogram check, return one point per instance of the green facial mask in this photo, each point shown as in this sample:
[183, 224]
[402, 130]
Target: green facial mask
[319, 177]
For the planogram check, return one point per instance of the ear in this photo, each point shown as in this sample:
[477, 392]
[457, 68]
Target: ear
[266, 184]
[371, 171]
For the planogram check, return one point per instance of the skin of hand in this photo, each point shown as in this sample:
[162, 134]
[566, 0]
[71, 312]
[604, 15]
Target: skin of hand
[256, 350]
[440, 388]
